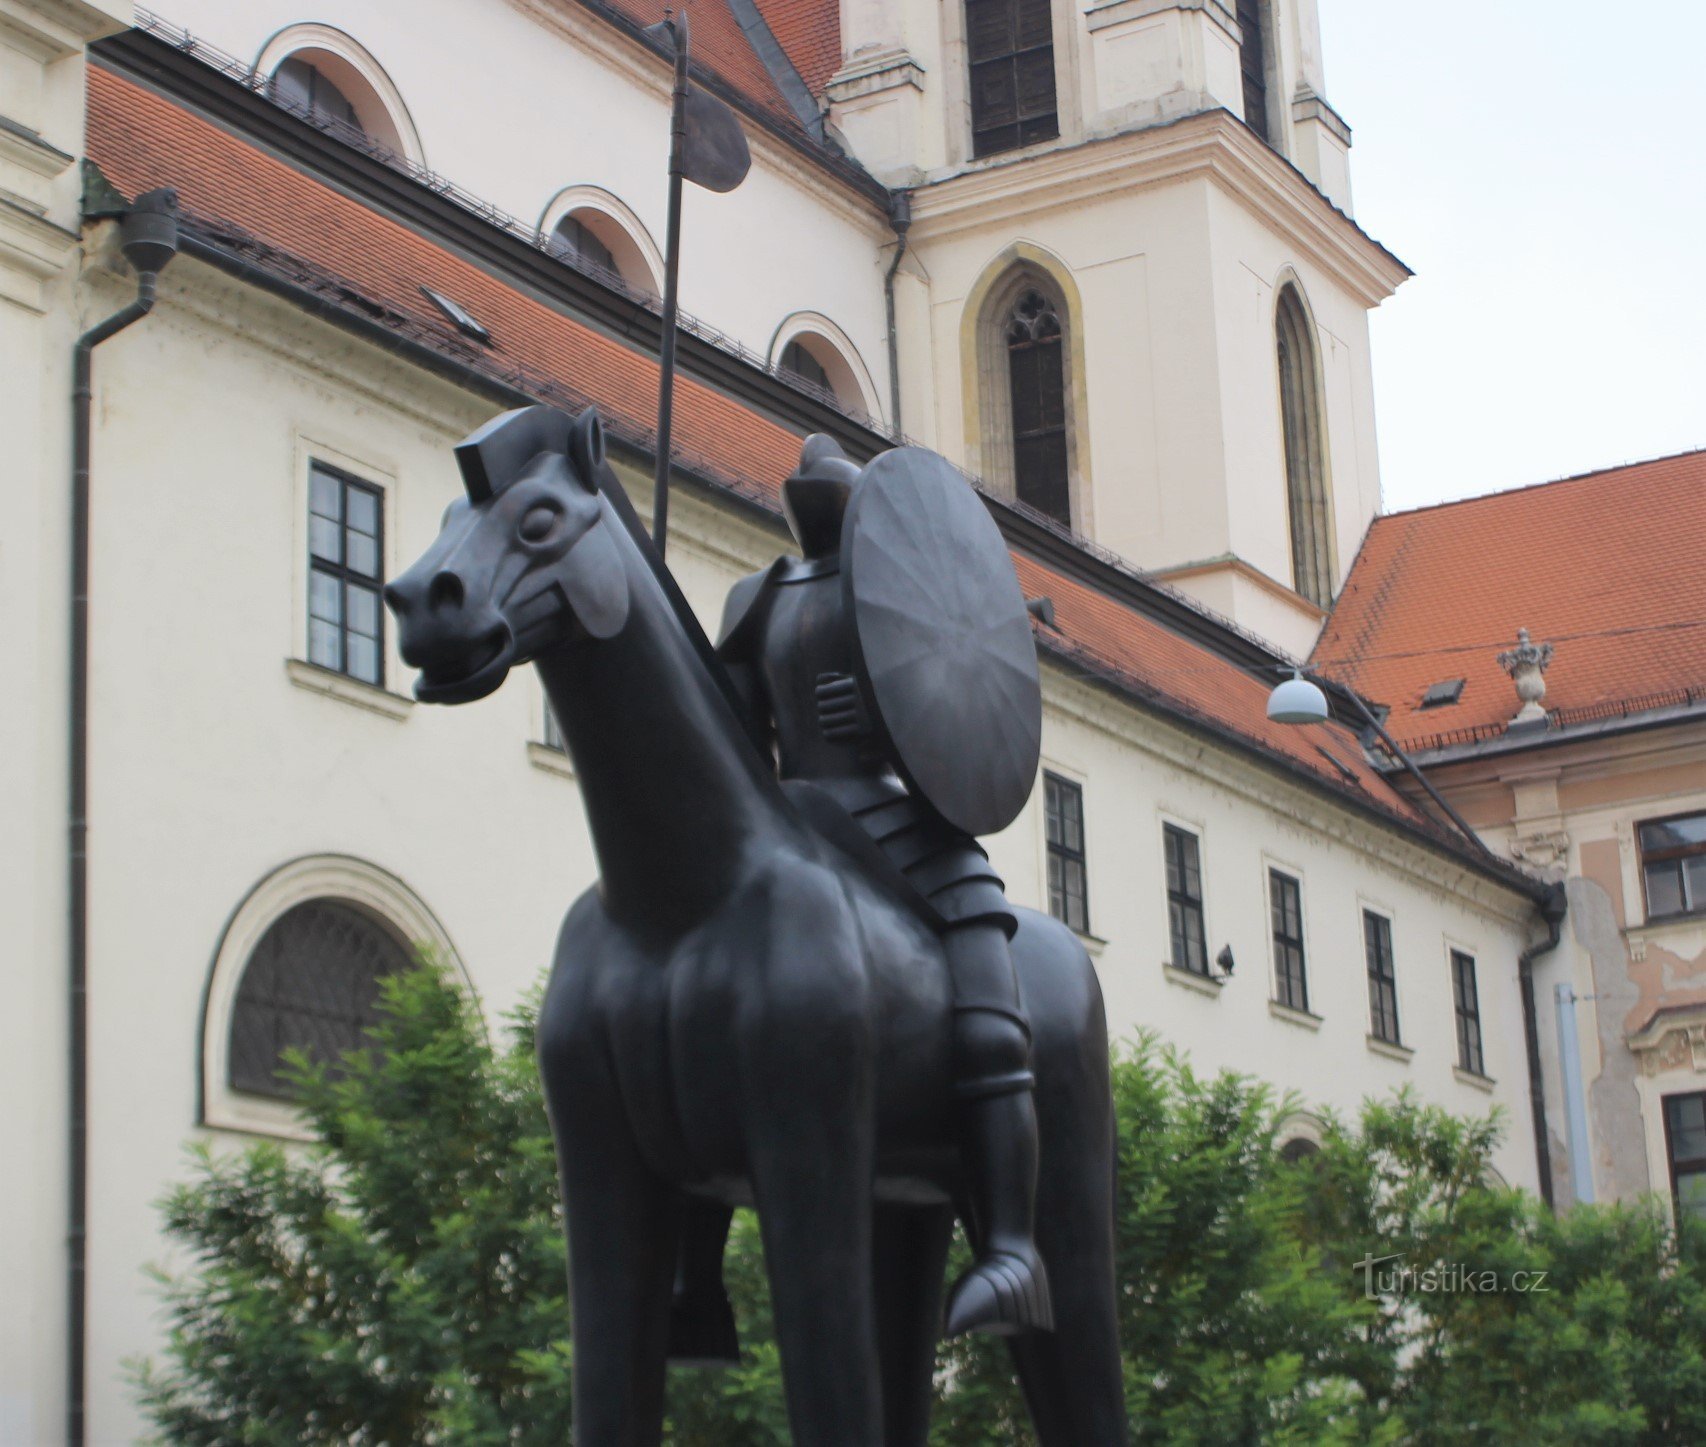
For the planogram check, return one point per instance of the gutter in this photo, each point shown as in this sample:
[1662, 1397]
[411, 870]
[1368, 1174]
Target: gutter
[1553, 905]
[149, 237]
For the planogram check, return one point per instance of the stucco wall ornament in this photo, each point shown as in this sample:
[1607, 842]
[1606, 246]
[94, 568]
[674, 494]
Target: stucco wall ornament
[1527, 664]
[1545, 849]
[807, 993]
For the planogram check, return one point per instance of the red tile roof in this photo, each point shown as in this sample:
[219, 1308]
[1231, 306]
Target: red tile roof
[1609, 567]
[810, 32]
[141, 140]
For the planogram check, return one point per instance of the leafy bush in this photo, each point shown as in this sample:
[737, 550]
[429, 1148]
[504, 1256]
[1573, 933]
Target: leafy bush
[401, 1280]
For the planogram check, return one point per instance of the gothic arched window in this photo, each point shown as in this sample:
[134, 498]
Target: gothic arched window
[1308, 503]
[312, 983]
[1036, 373]
[1010, 50]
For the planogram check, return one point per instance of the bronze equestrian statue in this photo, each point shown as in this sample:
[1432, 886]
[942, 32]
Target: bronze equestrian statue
[809, 994]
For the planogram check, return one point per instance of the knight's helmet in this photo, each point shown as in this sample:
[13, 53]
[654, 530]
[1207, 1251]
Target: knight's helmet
[815, 496]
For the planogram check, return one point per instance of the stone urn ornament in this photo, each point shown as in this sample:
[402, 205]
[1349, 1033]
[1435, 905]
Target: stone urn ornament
[1526, 664]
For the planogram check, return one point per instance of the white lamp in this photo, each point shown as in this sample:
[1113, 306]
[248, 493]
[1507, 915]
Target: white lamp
[1297, 701]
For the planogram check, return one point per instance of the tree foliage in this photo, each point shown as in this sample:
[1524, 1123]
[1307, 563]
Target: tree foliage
[401, 1279]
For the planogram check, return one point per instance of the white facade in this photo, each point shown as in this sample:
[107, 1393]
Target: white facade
[230, 778]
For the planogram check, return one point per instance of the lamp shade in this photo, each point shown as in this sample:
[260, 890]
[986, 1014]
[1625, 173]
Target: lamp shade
[1297, 701]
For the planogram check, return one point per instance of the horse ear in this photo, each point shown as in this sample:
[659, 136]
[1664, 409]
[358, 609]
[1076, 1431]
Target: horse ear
[586, 446]
[595, 580]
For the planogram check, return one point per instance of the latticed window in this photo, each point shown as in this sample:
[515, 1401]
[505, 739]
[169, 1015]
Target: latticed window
[1466, 997]
[345, 546]
[1253, 63]
[1038, 380]
[1382, 977]
[575, 241]
[311, 984]
[1010, 47]
[1184, 899]
[1063, 818]
[1310, 514]
[1285, 900]
[304, 87]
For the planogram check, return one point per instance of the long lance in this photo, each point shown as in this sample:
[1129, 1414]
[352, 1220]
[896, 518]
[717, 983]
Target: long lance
[671, 284]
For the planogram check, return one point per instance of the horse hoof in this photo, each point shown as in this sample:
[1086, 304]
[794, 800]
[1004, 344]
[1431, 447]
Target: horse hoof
[702, 1332]
[1003, 1294]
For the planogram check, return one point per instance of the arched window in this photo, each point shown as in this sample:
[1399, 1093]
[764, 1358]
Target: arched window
[1299, 1149]
[797, 358]
[576, 241]
[312, 984]
[325, 75]
[812, 352]
[302, 84]
[1253, 16]
[1308, 499]
[1010, 51]
[1036, 374]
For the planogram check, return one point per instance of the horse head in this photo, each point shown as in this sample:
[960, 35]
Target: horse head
[526, 562]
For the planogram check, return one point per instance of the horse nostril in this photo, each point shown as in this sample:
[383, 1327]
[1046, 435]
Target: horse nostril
[393, 598]
[445, 592]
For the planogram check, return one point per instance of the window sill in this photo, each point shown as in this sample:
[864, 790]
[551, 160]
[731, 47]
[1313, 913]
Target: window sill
[1093, 944]
[1391, 1049]
[550, 760]
[337, 685]
[1473, 1079]
[1190, 980]
[1660, 927]
[254, 1115]
[1305, 1019]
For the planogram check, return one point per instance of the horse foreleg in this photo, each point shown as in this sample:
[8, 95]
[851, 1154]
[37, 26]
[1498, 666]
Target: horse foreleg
[910, 1253]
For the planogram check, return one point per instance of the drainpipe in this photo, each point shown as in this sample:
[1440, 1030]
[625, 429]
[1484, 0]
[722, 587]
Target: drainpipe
[1553, 906]
[900, 218]
[149, 238]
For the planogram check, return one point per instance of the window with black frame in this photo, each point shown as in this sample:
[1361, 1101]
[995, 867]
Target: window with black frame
[1673, 864]
[1184, 899]
[1010, 51]
[1382, 977]
[1036, 372]
[1253, 65]
[1285, 901]
[346, 625]
[1685, 1142]
[312, 984]
[1466, 997]
[1063, 818]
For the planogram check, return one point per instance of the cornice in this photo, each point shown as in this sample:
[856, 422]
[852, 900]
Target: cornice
[1212, 144]
[1232, 563]
[1225, 759]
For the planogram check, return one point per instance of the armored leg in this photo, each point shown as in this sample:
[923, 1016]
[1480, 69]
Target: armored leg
[1006, 1290]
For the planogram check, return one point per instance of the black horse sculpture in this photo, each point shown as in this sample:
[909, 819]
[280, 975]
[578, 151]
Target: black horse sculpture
[741, 1012]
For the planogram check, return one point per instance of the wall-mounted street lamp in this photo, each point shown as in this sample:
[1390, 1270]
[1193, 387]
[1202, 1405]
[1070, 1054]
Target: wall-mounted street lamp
[1301, 700]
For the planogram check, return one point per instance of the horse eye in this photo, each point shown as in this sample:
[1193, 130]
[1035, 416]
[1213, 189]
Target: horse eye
[537, 525]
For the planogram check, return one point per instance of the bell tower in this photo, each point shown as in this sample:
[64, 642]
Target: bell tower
[1134, 296]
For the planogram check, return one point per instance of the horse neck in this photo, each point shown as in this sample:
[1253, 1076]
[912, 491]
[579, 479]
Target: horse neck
[675, 794]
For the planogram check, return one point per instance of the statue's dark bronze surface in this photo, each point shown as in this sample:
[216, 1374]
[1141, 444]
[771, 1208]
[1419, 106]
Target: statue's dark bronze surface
[756, 1004]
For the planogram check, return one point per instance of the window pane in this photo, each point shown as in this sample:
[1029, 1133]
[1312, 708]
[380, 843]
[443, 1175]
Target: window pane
[325, 538]
[1687, 1127]
[325, 644]
[1664, 888]
[1694, 871]
[1691, 1195]
[364, 511]
[1674, 833]
[325, 494]
[363, 554]
[363, 658]
[325, 597]
[363, 610]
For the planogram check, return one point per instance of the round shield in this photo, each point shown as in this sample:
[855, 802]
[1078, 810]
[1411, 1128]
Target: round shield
[943, 641]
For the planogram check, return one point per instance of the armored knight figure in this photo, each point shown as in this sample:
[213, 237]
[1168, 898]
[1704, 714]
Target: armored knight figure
[851, 711]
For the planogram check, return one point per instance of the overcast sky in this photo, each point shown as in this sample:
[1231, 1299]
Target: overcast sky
[1542, 169]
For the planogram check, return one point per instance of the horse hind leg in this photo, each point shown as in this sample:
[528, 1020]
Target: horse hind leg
[909, 1255]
